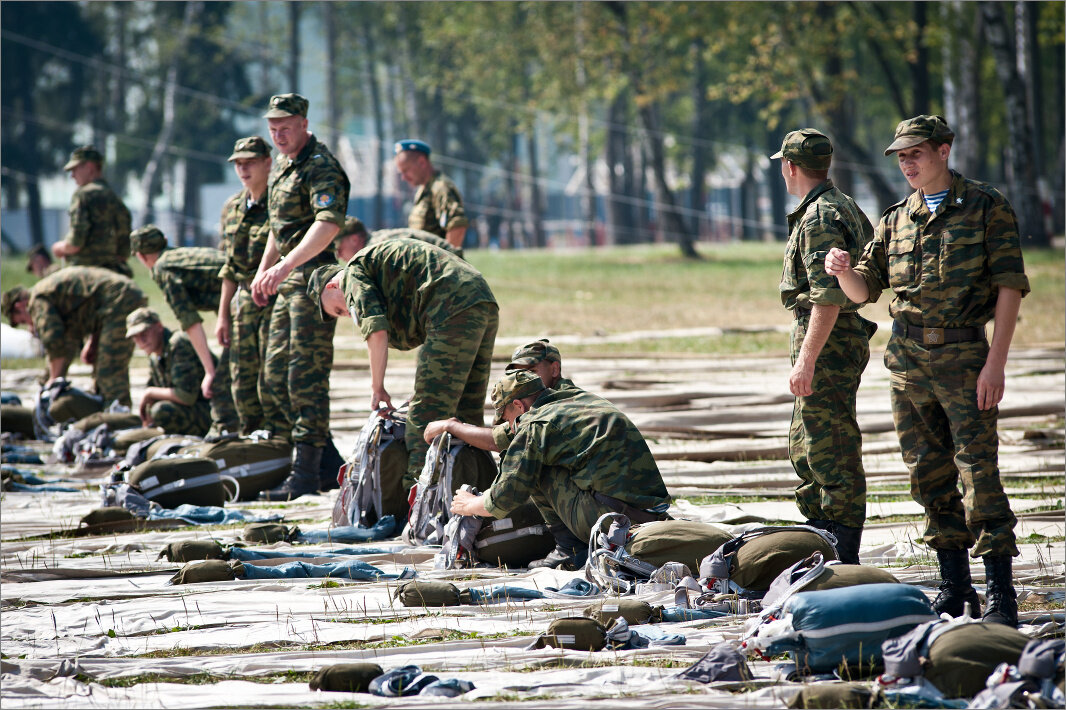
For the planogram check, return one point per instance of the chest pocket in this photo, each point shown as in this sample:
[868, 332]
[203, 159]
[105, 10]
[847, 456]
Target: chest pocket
[790, 272]
[902, 260]
[420, 216]
[962, 256]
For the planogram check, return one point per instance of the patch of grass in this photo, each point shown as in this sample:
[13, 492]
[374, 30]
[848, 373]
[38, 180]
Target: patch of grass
[289, 676]
[328, 584]
[1038, 539]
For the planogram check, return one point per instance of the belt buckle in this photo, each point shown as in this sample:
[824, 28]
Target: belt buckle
[933, 336]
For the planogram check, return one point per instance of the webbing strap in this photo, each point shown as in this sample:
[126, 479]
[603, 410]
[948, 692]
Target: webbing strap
[194, 482]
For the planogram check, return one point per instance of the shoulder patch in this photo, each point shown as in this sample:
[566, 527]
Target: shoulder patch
[323, 201]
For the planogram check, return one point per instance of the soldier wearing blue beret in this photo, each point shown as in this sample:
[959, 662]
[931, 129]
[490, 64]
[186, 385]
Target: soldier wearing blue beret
[438, 207]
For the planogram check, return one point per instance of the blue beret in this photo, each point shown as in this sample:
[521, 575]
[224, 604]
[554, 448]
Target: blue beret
[412, 144]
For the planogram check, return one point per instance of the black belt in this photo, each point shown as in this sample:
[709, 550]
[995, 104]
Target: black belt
[938, 336]
[800, 312]
[636, 515]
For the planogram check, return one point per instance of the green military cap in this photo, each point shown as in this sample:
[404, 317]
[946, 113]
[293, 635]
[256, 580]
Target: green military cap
[250, 147]
[411, 144]
[513, 385]
[317, 284]
[140, 320]
[83, 154]
[808, 148]
[37, 250]
[920, 129]
[148, 239]
[352, 225]
[9, 299]
[282, 105]
[532, 353]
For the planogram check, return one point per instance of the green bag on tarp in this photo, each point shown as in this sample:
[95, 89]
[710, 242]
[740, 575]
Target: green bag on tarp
[759, 560]
[837, 576]
[634, 611]
[174, 480]
[169, 444]
[346, 677]
[577, 633]
[683, 541]
[16, 419]
[836, 695]
[961, 659]
[425, 593]
[74, 404]
[126, 438]
[192, 550]
[208, 571]
[110, 514]
[114, 420]
[256, 464]
[516, 540]
[268, 533]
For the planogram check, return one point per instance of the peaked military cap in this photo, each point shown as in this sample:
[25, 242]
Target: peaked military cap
[9, 299]
[513, 385]
[250, 147]
[140, 320]
[317, 284]
[412, 144]
[37, 250]
[808, 148]
[83, 154]
[920, 129]
[148, 239]
[282, 105]
[532, 353]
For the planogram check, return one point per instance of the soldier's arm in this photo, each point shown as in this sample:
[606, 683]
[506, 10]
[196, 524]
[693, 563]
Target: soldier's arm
[224, 321]
[57, 367]
[260, 295]
[466, 503]
[838, 263]
[64, 248]
[198, 338]
[75, 239]
[455, 236]
[477, 436]
[991, 382]
[377, 348]
[821, 323]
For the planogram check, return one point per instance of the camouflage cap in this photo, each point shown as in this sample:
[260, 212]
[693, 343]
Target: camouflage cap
[140, 320]
[531, 353]
[513, 385]
[920, 129]
[808, 148]
[250, 147]
[83, 154]
[37, 250]
[411, 144]
[282, 105]
[148, 239]
[317, 284]
[9, 299]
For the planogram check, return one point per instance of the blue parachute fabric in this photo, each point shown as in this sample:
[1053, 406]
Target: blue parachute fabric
[344, 569]
[502, 593]
[383, 529]
[245, 555]
[676, 613]
[208, 515]
[39, 488]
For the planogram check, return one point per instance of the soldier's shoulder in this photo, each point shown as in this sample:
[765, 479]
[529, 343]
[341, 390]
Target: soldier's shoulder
[892, 209]
[984, 190]
[443, 183]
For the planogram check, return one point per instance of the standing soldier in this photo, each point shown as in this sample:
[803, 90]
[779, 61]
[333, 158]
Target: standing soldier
[307, 201]
[76, 305]
[189, 280]
[438, 207]
[242, 324]
[99, 222]
[830, 344]
[951, 254]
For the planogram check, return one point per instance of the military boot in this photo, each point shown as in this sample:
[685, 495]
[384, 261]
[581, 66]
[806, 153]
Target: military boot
[306, 462]
[956, 589]
[331, 464]
[570, 552]
[848, 540]
[1001, 601]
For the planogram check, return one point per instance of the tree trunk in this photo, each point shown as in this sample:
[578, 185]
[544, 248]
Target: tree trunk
[776, 185]
[960, 87]
[588, 190]
[333, 111]
[700, 148]
[33, 189]
[920, 67]
[370, 57]
[294, 47]
[1029, 70]
[536, 200]
[670, 222]
[621, 227]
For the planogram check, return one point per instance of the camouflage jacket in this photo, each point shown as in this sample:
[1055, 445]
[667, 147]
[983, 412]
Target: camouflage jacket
[178, 367]
[74, 303]
[311, 188]
[502, 434]
[826, 218]
[189, 280]
[100, 225]
[404, 286]
[945, 269]
[245, 228]
[600, 449]
[381, 235]
[438, 207]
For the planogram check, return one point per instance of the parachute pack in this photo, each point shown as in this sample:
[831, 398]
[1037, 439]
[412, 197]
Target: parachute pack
[371, 482]
[256, 462]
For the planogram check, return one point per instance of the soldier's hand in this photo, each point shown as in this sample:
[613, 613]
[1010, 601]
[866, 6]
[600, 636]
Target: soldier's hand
[435, 429]
[146, 418]
[466, 503]
[991, 383]
[379, 399]
[205, 385]
[222, 326]
[837, 262]
[88, 353]
[799, 382]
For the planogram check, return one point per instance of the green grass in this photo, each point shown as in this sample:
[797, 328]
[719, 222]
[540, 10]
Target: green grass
[200, 679]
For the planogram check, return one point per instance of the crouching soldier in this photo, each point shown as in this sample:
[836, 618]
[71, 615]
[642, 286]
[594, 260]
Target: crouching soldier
[173, 400]
[576, 456]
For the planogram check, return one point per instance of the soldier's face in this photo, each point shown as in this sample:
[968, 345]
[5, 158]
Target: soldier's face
[333, 300]
[252, 172]
[788, 171]
[84, 172]
[150, 340]
[924, 165]
[289, 134]
[413, 167]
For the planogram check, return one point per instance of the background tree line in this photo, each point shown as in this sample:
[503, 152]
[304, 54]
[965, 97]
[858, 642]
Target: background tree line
[618, 122]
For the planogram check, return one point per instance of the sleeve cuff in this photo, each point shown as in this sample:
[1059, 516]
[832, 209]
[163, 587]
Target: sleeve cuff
[829, 297]
[494, 509]
[1019, 282]
[188, 320]
[502, 436]
[187, 398]
[457, 222]
[372, 324]
[336, 218]
[227, 273]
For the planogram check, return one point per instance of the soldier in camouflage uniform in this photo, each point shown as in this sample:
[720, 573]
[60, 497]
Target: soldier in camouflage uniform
[438, 207]
[576, 456]
[307, 201]
[76, 305]
[99, 222]
[405, 294]
[242, 324]
[173, 400]
[354, 237]
[190, 282]
[830, 344]
[951, 254]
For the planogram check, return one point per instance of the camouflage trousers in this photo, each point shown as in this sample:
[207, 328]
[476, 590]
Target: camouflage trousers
[174, 418]
[111, 371]
[945, 438]
[824, 441]
[223, 413]
[294, 390]
[250, 328]
[451, 377]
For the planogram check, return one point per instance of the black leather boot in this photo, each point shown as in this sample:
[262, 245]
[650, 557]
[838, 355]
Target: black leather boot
[331, 463]
[306, 462]
[956, 589]
[848, 540]
[1001, 601]
[570, 552]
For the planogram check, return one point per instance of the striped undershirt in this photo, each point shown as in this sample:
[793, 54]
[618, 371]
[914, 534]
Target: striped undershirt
[932, 201]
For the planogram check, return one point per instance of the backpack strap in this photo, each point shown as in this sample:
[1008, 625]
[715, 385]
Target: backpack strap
[609, 565]
[716, 568]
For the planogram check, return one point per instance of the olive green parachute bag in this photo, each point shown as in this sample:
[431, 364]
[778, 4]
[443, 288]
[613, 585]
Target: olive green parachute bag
[257, 463]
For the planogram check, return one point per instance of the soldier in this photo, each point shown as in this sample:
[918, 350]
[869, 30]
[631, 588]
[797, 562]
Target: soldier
[354, 237]
[99, 222]
[307, 200]
[438, 207]
[39, 262]
[173, 400]
[190, 282]
[951, 254]
[242, 324]
[576, 456]
[405, 293]
[830, 344]
[76, 305]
